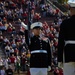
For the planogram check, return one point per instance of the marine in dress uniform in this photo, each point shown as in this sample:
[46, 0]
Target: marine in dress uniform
[66, 42]
[40, 51]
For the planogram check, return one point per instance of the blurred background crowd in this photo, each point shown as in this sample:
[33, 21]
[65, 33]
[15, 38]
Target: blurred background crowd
[14, 14]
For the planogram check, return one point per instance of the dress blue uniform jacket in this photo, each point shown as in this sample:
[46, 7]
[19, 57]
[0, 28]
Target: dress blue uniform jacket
[67, 33]
[40, 60]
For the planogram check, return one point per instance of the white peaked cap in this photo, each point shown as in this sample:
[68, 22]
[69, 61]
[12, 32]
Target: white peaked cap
[71, 3]
[36, 24]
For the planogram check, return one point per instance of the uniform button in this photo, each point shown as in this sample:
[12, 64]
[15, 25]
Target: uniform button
[41, 45]
[41, 48]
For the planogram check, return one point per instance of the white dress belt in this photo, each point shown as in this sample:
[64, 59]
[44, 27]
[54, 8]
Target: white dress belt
[38, 51]
[69, 42]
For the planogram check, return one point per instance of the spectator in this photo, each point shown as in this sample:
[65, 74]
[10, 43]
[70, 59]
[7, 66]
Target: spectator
[23, 62]
[1, 62]
[2, 71]
[9, 71]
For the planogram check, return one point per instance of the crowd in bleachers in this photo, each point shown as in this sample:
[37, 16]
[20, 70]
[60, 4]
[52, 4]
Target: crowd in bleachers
[12, 40]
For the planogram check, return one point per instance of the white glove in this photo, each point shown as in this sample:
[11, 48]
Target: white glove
[49, 68]
[60, 64]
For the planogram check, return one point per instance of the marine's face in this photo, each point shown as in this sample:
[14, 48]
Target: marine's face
[36, 31]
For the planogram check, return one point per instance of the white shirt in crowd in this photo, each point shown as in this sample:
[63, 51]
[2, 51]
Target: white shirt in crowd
[1, 62]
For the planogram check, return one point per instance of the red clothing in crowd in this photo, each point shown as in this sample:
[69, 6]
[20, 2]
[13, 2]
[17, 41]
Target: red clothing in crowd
[22, 29]
[57, 11]
[13, 5]
[25, 14]
[37, 16]
[9, 29]
[57, 71]
[55, 44]
[52, 36]
[16, 50]
[60, 72]
[12, 59]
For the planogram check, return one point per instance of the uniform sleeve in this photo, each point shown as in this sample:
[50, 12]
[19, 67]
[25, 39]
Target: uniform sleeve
[49, 54]
[31, 43]
[61, 43]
